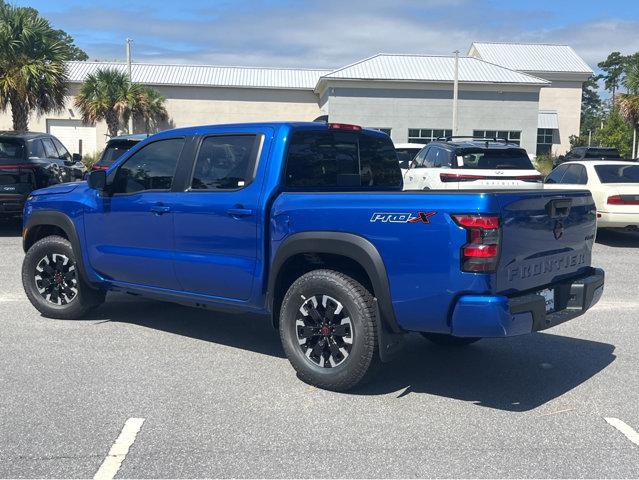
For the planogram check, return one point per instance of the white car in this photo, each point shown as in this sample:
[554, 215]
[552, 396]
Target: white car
[472, 164]
[406, 152]
[614, 186]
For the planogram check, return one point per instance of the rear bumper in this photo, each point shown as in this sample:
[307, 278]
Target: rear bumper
[500, 316]
[11, 205]
[619, 220]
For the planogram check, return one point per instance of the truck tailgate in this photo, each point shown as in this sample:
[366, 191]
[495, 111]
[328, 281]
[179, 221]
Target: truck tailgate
[546, 236]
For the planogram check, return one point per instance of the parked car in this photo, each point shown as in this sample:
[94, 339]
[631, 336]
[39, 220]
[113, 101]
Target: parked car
[462, 164]
[406, 153]
[29, 161]
[614, 186]
[579, 154]
[115, 147]
[306, 224]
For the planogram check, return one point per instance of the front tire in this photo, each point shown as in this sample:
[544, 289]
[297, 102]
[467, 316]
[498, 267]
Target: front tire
[52, 282]
[328, 328]
[445, 340]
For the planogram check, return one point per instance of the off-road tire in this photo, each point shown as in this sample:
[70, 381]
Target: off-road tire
[83, 300]
[358, 303]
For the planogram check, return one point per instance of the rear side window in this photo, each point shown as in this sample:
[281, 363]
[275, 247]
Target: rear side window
[225, 162]
[507, 159]
[334, 159]
[11, 151]
[557, 174]
[36, 149]
[574, 175]
[618, 173]
[150, 168]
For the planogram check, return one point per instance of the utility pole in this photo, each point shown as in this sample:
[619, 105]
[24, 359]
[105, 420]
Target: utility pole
[634, 142]
[589, 137]
[455, 91]
[129, 42]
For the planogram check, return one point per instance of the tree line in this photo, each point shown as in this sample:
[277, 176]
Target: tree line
[614, 121]
[34, 78]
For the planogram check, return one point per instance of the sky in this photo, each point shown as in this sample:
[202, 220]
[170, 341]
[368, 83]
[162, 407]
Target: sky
[334, 33]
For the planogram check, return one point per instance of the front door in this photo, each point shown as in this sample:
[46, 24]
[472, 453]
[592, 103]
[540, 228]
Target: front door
[129, 232]
[218, 220]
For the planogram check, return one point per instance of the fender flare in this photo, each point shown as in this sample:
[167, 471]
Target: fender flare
[348, 245]
[63, 222]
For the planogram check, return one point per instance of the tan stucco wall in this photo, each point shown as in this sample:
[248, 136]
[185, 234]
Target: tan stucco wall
[565, 99]
[189, 106]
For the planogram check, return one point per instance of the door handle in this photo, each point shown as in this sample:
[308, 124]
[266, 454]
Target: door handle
[160, 209]
[239, 212]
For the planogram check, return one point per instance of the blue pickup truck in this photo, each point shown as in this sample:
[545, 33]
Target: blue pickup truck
[306, 223]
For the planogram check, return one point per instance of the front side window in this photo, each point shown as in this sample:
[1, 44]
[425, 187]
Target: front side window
[62, 151]
[225, 162]
[49, 148]
[150, 168]
[427, 135]
[511, 136]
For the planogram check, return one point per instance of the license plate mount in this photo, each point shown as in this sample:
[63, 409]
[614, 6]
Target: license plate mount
[549, 297]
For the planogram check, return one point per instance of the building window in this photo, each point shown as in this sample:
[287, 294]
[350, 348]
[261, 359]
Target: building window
[544, 141]
[426, 135]
[387, 131]
[512, 136]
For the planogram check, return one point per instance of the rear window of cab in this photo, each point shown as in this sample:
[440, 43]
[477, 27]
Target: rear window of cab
[341, 160]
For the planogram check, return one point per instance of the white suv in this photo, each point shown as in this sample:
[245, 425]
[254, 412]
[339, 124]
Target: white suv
[472, 164]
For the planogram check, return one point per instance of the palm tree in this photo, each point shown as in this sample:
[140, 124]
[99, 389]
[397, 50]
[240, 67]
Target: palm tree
[147, 107]
[108, 95]
[32, 65]
[628, 103]
[104, 95]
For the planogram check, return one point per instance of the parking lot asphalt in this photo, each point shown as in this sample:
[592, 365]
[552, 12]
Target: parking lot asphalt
[219, 399]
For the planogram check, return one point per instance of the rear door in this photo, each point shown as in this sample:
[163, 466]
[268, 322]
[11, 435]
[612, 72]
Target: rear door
[218, 220]
[545, 237]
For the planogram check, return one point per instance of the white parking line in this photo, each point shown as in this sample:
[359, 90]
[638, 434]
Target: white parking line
[120, 448]
[624, 428]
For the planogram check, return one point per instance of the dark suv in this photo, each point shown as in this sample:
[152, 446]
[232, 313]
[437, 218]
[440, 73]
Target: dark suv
[115, 147]
[29, 161]
[588, 153]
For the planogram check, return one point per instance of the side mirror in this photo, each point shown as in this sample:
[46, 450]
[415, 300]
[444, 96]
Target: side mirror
[76, 157]
[97, 180]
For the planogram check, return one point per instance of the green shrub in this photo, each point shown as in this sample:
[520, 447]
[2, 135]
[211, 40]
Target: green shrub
[90, 158]
[544, 164]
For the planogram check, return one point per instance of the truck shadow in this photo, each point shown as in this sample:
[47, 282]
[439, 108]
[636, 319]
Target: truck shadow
[514, 374]
[618, 238]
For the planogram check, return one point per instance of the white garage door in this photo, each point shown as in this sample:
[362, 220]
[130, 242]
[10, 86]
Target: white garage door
[76, 137]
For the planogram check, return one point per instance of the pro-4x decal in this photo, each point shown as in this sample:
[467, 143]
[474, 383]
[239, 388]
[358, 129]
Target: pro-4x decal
[419, 217]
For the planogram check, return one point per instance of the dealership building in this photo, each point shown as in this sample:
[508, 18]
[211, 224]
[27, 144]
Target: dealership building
[527, 93]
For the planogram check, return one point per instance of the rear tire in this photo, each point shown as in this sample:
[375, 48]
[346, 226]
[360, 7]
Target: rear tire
[328, 328]
[52, 282]
[445, 340]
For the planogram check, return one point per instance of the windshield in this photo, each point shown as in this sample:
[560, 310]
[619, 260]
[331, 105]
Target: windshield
[618, 173]
[113, 151]
[487, 159]
[406, 155]
[11, 151]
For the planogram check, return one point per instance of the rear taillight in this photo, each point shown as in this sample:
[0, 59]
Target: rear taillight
[344, 126]
[481, 253]
[530, 178]
[623, 200]
[458, 177]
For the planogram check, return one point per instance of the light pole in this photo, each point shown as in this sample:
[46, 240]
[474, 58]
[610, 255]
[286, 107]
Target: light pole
[455, 91]
[129, 42]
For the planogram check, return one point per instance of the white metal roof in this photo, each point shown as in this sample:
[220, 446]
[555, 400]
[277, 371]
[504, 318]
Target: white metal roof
[428, 68]
[548, 119]
[205, 75]
[532, 57]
